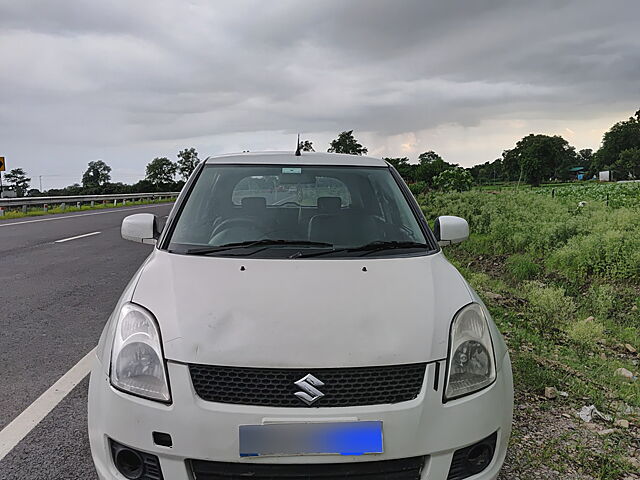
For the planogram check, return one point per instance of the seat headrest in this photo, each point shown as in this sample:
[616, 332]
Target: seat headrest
[329, 204]
[254, 203]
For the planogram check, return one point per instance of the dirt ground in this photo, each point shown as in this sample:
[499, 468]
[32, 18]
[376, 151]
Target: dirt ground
[550, 441]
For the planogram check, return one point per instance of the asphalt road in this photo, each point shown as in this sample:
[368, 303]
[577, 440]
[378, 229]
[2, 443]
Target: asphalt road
[54, 301]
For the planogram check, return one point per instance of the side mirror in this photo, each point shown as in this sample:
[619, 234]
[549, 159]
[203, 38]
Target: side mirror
[140, 228]
[449, 230]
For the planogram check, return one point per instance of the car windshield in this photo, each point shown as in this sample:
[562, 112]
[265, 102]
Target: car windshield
[277, 211]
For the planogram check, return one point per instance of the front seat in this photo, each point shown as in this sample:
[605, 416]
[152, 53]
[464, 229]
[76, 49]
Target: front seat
[249, 221]
[339, 226]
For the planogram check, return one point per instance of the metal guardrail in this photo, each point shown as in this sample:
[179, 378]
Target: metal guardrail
[79, 200]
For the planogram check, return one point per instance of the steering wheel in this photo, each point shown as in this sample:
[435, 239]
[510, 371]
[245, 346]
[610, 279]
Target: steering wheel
[231, 223]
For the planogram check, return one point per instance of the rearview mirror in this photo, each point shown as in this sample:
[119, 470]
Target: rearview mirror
[141, 228]
[449, 229]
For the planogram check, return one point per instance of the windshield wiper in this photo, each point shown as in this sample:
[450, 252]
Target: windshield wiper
[368, 248]
[378, 246]
[266, 242]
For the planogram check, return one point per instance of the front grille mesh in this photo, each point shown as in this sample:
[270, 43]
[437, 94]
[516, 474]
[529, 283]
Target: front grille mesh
[402, 469]
[343, 387]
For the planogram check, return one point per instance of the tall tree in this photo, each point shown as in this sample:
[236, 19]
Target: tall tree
[585, 158]
[488, 172]
[346, 143]
[97, 174]
[628, 164]
[306, 146]
[161, 171]
[187, 162]
[18, 179]
[406, 170]
[431, 165]
[622, 136]
[511, 169]
[542, 157]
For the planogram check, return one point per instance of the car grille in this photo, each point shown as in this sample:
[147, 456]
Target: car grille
[403, 469]
[343, 387]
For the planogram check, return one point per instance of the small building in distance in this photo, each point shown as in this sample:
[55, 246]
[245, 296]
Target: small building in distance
[577, 173]
[605, 176]
[6, 192]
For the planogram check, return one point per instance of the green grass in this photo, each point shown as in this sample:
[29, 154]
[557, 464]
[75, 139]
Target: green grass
[36, 212]
[522, 266]
[615, 194]
[568, 280]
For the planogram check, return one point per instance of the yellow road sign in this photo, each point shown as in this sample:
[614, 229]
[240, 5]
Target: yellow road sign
[1, 164]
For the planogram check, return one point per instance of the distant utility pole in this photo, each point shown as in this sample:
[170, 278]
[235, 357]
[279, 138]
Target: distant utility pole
[52, 175]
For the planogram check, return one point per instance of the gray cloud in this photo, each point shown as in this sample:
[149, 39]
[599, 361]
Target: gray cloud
[126, 81]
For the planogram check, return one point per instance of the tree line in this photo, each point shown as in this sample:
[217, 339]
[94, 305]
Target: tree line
[161, 175]
[538, 158]
[534, 159]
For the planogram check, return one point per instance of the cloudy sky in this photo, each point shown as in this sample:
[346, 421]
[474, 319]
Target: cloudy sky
[126, 81]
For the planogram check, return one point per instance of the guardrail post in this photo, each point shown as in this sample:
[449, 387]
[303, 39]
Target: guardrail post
[24, 209]
[63, 206]
[77, 204]
[124, 201]
[93, 203]
[115, 202]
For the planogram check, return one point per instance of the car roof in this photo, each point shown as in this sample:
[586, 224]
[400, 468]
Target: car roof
[305, 158]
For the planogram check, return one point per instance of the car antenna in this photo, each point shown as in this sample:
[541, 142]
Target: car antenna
[298, 147]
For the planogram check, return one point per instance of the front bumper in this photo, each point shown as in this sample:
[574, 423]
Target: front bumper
[209, 431]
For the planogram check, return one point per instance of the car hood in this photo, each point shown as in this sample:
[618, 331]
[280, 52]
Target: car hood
[302, 313]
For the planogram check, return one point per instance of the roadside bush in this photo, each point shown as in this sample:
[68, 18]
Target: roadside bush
[454, 179]
[509, 222]
[418, 187]
[600, 242]
[585, 333]
[612, 254]
[548, 307]
[521, 267]
[601, 301]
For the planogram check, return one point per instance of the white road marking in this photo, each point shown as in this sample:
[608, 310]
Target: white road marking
[77, 236]
[20, 427]
[57, 217]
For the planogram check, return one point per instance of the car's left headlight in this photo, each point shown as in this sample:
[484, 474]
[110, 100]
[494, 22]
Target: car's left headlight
[471, 365]
[137, 362]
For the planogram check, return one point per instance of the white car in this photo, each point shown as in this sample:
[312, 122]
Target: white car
[298, 319]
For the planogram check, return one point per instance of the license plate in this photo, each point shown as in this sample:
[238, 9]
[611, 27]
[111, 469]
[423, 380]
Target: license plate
[337, 438]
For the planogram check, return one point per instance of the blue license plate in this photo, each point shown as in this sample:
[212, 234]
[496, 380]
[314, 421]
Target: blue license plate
[337, 438]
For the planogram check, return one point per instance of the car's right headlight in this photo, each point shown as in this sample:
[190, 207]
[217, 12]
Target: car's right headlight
[471, 365]
[137, 362]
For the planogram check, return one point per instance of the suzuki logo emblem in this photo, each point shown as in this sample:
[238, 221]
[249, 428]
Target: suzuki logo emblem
[310, 393]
